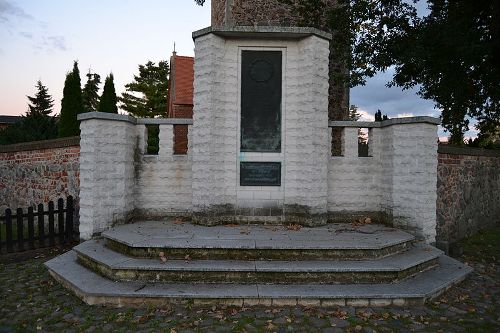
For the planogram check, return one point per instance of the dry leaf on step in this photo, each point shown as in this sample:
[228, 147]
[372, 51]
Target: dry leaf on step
[178, 220]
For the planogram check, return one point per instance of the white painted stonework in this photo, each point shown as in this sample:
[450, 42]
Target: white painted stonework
[119, 181]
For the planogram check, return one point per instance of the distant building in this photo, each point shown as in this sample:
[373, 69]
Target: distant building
[180, 97]
[6, 121]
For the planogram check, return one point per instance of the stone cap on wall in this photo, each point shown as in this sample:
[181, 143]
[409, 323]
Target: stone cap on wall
[452, 150]
[133, 120]
[385, 123]
[263, 32]
[45, 144]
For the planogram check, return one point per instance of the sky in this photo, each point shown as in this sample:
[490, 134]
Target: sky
[40, 39]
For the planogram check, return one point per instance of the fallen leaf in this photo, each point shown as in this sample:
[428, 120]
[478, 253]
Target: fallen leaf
[178, 220]
[294, 227]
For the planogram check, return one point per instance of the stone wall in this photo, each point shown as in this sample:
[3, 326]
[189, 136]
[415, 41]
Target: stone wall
[468, 192]
[396, 184]
[38, 172]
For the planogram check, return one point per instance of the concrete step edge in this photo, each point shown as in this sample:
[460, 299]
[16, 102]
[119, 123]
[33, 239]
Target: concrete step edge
[95, 289]
[96, 251]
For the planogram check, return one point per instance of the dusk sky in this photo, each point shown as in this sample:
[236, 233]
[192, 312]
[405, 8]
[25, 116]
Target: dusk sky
[41, 38]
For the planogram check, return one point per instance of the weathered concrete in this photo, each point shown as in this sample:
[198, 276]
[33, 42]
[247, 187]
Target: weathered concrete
[117, 266]
[94, 289]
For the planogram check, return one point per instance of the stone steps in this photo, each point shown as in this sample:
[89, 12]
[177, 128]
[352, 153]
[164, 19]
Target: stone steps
[95, 289]
[247, 265]
[117, 266]
[257, 242]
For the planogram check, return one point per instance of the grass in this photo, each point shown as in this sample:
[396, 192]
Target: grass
[484, 245]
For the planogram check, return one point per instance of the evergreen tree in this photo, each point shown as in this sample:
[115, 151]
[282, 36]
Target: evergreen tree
[90, 96]
[71, 104]
[36, 124]
[42, 102]
[147, 95]
[108, 98]
[354, 114]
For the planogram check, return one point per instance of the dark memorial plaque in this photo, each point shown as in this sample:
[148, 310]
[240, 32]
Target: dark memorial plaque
[261, 101]
[260, 174]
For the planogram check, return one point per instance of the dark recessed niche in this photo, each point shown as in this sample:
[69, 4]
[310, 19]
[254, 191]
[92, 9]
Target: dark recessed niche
[261, 101]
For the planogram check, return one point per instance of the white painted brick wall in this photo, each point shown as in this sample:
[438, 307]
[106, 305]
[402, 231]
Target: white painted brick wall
[214, 129]
[399, 178]
[414, 178]
[354, 182]
[217, 120]
[164, 181]
[306, 127]
[106, 174]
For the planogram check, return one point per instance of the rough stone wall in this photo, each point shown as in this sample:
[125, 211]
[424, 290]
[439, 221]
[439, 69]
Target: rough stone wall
[468, 198]
[107, 173]
[38, 172]
[163, 181]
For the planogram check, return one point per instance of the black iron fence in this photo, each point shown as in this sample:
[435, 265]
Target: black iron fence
[28, 230]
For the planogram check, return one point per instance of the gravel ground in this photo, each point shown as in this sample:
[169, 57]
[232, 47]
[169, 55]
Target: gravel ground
[31, 301]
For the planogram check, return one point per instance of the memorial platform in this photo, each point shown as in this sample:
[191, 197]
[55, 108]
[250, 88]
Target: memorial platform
[160, 262]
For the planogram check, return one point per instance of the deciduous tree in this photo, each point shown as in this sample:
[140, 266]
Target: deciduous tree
[453, 56]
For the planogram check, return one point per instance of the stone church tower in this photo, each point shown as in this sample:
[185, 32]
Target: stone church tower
[276, 13]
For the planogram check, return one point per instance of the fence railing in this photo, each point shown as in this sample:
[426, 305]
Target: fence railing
[27, 231]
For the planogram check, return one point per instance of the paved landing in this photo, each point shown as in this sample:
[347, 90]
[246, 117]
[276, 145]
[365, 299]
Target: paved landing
[170, 234]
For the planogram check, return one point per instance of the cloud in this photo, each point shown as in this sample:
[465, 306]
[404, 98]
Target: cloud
[27, 35]
[365, 115]
[56, 42]
[405, 115]
[391, 101]
[51, 43]
[7, 9]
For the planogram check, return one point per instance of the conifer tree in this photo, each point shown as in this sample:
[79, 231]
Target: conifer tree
[71, 104]
[42, 102]
[147, 95]
[108, 98]
[90, 96]
[36, 124]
